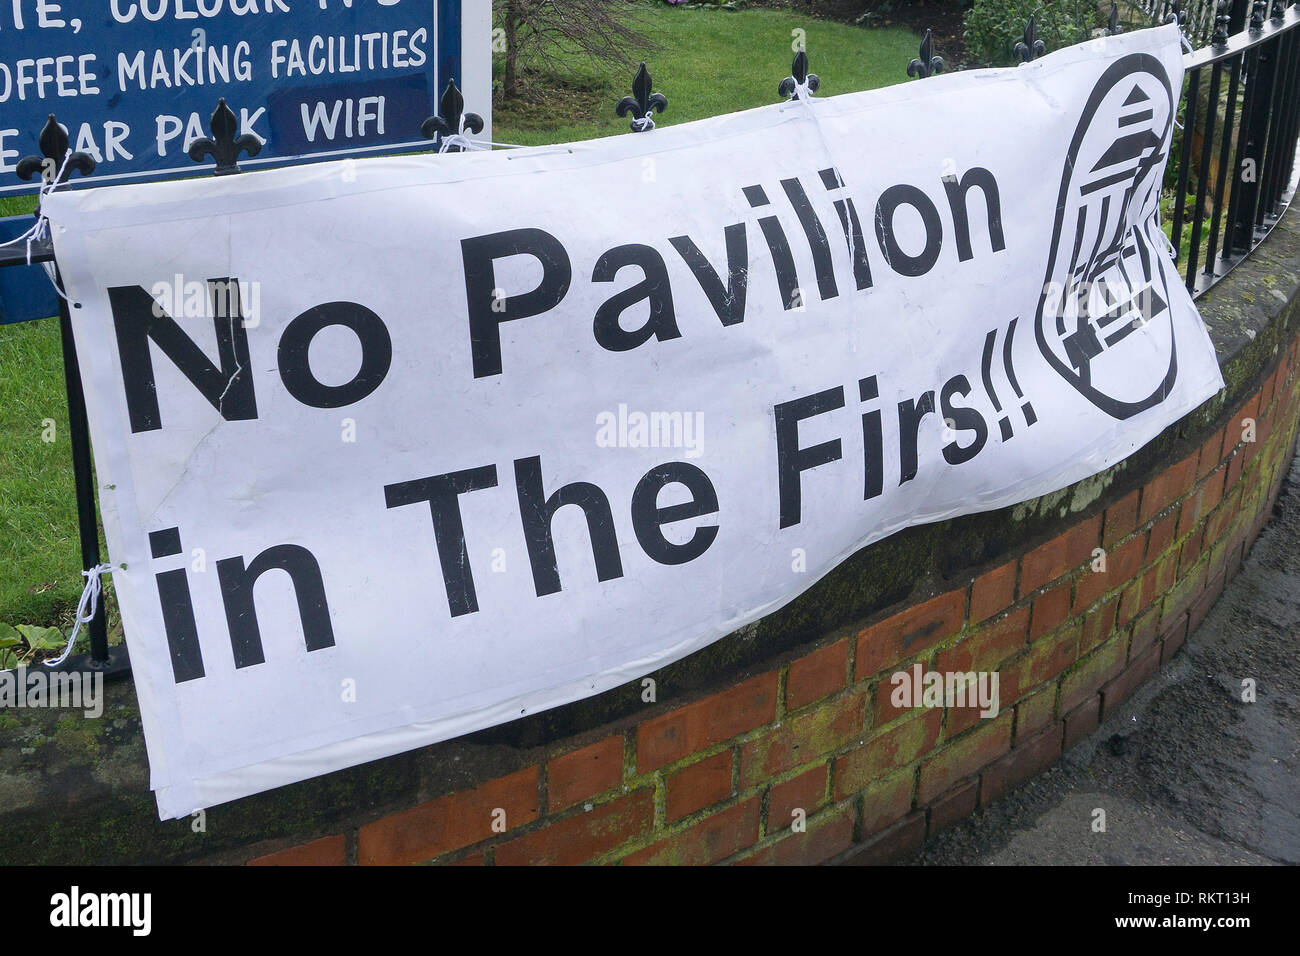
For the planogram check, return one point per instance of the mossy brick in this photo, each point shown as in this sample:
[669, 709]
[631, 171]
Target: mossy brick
[885, 802]
[1044, 661]
[1138, 671]
[1121, 564]
[327, 851]
[1211, 453]
[583, 837]
[450, 822]
[887, 752]
[902, 838]
[987, 647]
[954, 805]
[1051, 608]
[806, 791]
[1249, 411]
[1066, 551]
[1161, 536]
[1148, 589]
[1026, 759]
[1179, 598]
[1098, 625]
[1035, 713]
[1236, 465]
[964, 756]
[1120, 519]
[828, 834]
[1166, 487]
[1173, 638]
[992, 592]
[1082, 720]
[706, 841]
[1172, 632]
[1144, 632]
[817, 675]
[1204, 499]
[702, 784]
[584, 773]
[1090, 672]
[803, 738]
[909, 632]
[1221, 518]
[1189, 555]
[703, 723]
[1201, 607]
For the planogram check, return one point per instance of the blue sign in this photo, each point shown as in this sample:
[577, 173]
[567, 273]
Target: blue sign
[135, 81]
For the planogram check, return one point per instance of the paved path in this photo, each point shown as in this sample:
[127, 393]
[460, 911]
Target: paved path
[1186, 772]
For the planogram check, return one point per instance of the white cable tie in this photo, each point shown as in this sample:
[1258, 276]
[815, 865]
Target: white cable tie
[86, 608]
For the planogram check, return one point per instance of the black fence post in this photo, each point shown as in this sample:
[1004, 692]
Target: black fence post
[1237, 15]
[55, 166]
[1250, 165]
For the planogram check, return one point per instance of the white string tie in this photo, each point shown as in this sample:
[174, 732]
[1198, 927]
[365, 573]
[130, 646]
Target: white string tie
[40, 229]
[466, 144]
[86, 608]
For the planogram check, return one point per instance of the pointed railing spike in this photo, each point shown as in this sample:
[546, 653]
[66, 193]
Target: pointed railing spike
[448, 121]
[1030, 47]
[51, 164]
[226, 143]
[928, 63]
[643, 103]
[1258, 10]
[1220, 36]
[55, 164]
[799, 79]
[1113, 28]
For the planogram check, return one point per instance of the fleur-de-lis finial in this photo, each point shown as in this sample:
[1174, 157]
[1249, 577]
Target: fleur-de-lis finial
[928, 63]
[226, 142]
[1113, 29]
[791, 85]
[55, 164]
[1030, 48]
[1258, 9]
[1175, 13]
[643, 103]
[1220, 35]
[448, 121]
[1279, 10]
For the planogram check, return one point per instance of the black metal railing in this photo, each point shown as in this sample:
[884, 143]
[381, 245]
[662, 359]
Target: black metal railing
[1232, 172]
[1230, 175]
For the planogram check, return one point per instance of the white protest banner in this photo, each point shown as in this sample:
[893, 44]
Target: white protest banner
[393, 450]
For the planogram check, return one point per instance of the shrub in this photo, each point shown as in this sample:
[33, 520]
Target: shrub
[993, 27]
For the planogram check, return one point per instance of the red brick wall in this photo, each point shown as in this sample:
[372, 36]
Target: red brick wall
[724, 777]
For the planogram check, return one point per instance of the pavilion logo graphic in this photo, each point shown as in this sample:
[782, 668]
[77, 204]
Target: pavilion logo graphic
[1108, 272]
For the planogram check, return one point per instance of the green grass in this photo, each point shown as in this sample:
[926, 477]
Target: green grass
[709, 63]
[40, 558]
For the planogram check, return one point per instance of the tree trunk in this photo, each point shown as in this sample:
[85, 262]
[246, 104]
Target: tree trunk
[511, 22]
